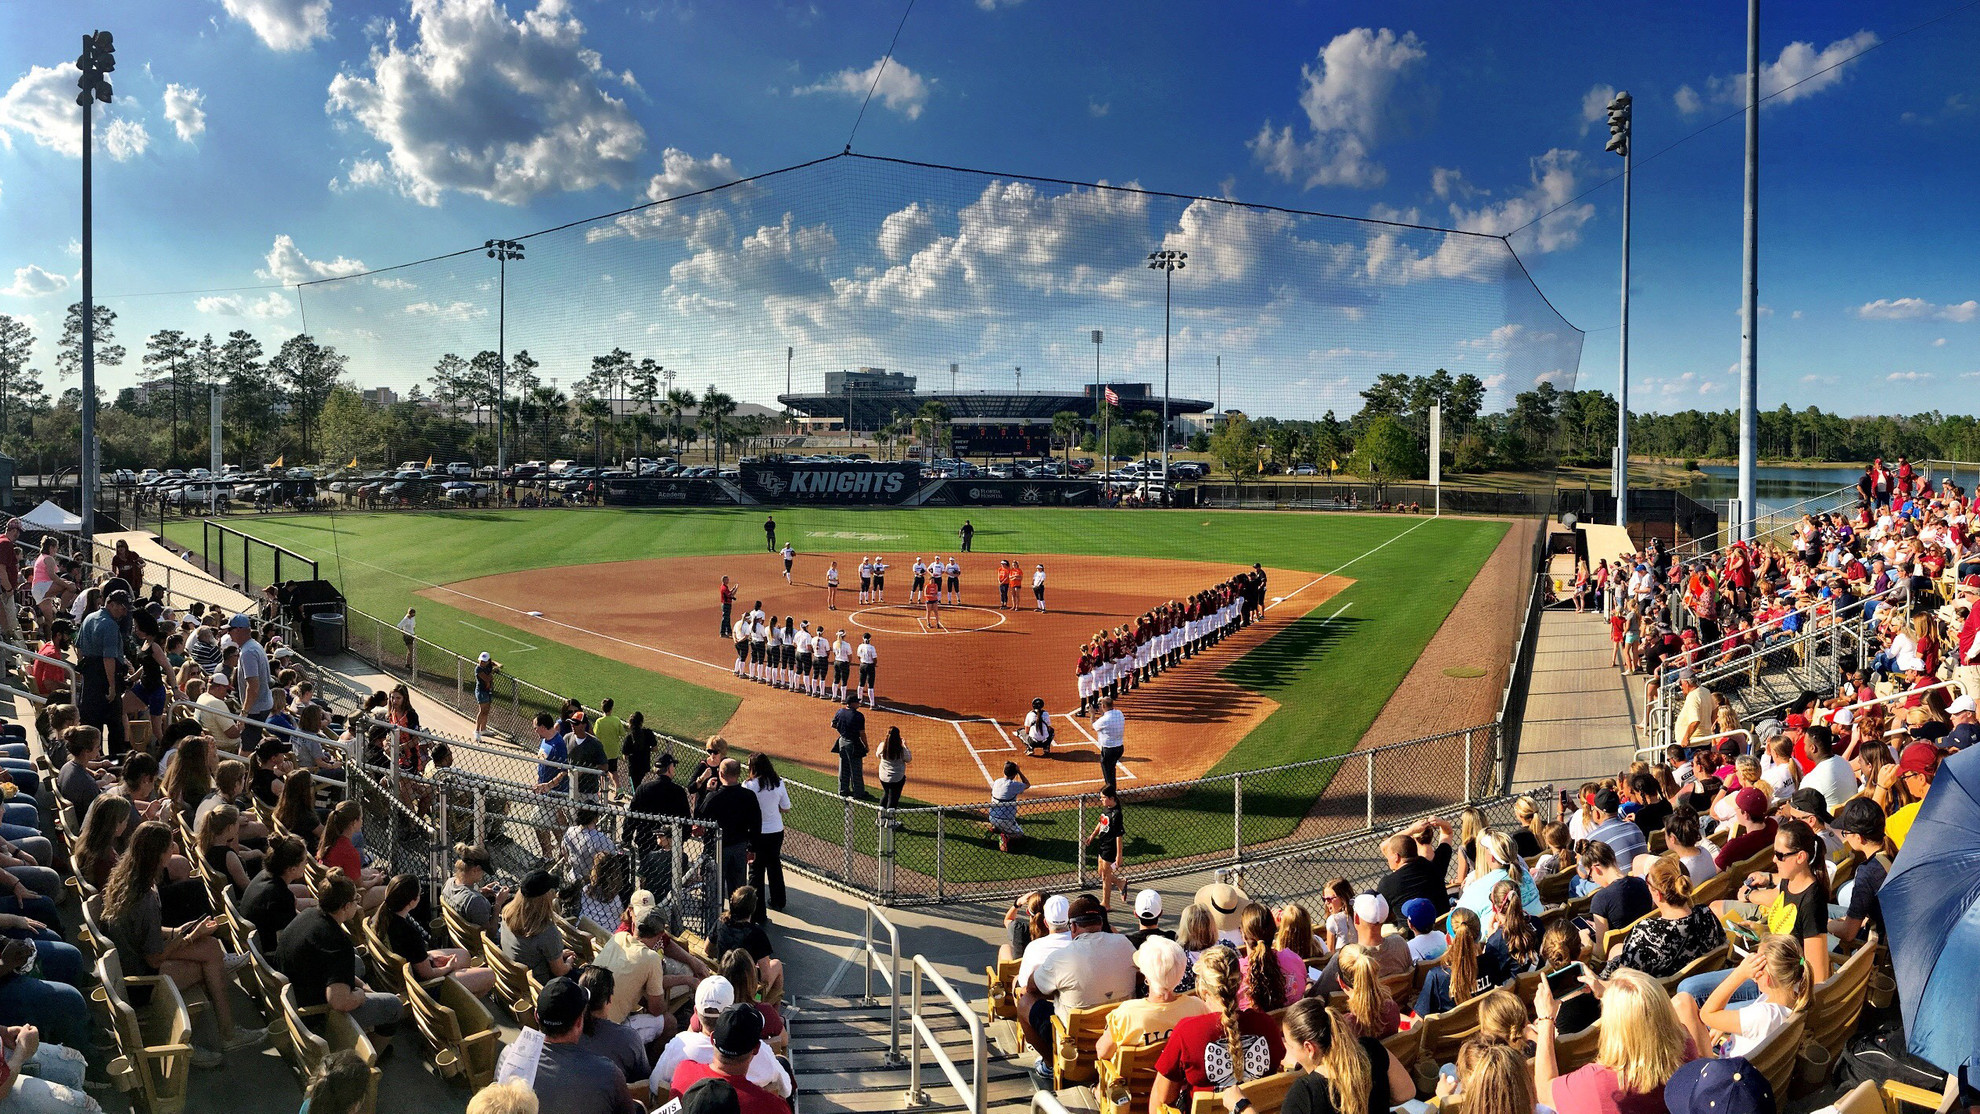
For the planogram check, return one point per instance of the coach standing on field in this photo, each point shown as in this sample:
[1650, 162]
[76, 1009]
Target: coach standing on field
[1111, 727]
[728, 603]
[849, 724]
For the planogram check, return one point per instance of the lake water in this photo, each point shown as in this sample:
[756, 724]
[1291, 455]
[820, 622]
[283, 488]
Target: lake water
[1774, 486]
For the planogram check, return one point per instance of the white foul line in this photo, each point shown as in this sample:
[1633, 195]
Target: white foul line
[1296, 591]
[525, 646]
[980, 767]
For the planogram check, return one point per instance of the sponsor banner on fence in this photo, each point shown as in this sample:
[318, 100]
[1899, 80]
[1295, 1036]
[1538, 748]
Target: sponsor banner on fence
[787, 482]
[664, 492]
[1015, 493]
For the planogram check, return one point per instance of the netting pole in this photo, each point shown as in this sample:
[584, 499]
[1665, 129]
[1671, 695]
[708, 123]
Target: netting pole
[848, 837]
[1467, 767]
[941, 838]
[1237, 817]
[1079, 844]
[677, 837]
[480, 818]
[1369, 780]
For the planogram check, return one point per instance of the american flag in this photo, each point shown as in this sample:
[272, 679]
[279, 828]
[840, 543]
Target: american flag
[1112, 398]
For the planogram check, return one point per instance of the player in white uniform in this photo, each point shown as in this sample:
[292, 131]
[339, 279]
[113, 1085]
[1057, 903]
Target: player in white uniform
[776, 652]
[953, 585]
[879, 581]
[1037, 733]
[759, 639]
[1038, 589]
[801, 646]
[865, 579]
[920, 578]
[842, 653]
[869, 664]
[832, 586]
[789, 553]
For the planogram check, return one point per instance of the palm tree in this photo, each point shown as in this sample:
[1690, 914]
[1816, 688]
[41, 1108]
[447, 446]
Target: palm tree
[716, 407]
[677, 403]
[1066, 426]
[597, 409]
[935, 419]
[549, 404]
[1147, 423]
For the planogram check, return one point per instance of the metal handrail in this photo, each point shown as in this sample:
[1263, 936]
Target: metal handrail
[1652, 754]
[75, 677]
[22, 694]
[869, 955]
[1900, 695]
[974, 1095]
[1045, 1102]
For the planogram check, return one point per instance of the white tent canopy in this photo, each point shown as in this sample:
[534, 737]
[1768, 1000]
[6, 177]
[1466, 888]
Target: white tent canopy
[48, 516]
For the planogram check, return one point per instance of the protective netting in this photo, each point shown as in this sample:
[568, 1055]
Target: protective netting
[985, 289]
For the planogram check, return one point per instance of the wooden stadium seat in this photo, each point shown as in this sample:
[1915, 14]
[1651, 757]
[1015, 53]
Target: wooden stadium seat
[1573, 1050]
[154, 1044]
[1659, 842]
[1406, 1045]
[1613, 939]
[1554, 887]
[1445, 1033]
[1126, 1077]
[456, 1027]
[514, 983]
[1401, 987]
[1834, 1006]
[582, 945]
[1887, 1097]
[1710, 961]
[1844, 871]
[308, 1048]
[1003, 1000]
[1776, 1056]
[1073, 1038]
[465, 935]
[1266, 1094]
[387, 964]
[1716, 888]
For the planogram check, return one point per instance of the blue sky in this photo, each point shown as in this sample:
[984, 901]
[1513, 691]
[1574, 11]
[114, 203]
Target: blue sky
[256, 142]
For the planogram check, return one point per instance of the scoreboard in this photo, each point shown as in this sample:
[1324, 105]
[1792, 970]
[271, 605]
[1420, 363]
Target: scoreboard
[1012, 438]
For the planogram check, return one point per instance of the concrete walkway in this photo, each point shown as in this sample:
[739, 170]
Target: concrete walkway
[1580, 717]
[163, 566]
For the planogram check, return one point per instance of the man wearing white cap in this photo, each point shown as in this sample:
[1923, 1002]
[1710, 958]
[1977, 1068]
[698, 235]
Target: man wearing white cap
[1371, 912]
[485, 668]
[1148, 918]
[1095, 967]
[711, 997]
[1058, 925]
[214, 715]
[1964, 731]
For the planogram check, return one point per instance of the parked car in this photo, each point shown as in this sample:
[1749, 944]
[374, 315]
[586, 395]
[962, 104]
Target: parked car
[1306, 470]
[123, 477]
[460, 469]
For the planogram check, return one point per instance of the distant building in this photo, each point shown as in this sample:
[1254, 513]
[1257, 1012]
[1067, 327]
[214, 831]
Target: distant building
[380, 396]
[152, 390]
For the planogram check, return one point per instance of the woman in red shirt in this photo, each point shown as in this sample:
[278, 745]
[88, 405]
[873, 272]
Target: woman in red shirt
[1219, 1049]
[337, 852]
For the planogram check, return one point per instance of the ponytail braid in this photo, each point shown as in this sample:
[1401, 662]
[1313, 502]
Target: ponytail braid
[1217, 973]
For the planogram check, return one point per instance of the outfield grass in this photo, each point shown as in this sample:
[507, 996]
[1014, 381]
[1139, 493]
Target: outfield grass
[1330, 678]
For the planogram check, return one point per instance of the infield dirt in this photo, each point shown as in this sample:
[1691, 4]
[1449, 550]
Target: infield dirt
[958, 695]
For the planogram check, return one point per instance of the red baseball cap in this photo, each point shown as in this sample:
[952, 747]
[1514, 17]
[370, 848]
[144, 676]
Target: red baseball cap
[1797, 721]
[1919, 758]
[1752, 802]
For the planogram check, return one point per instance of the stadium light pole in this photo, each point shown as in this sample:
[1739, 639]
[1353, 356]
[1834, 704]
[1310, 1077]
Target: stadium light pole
[1749, 347]
[501, 251]
[1620, 126]
[1168, 262]
[952, 378]
[98, 58]
[790, 353]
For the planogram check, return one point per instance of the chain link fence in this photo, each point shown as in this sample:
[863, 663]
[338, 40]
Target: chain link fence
[1302, 875]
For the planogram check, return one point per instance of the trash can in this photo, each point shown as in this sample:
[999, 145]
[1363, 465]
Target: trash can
[326, 629]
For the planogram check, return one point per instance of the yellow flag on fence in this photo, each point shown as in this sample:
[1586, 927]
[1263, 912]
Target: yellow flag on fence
[277, 464]
[429, 460]
[353, 463]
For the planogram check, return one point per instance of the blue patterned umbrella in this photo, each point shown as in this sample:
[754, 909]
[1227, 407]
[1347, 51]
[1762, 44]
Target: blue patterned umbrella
[1931, 906]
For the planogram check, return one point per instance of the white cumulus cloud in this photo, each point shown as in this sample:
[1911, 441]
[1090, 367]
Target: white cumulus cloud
[1553, 181]
[1908, 376]
[1355, 95]
[32, 282]
[271, 305]
[900, 89]
[1915, 309]
[505, 109]
[41, 107]
[1800, 71]
[283, 24]
[452, 311]
[1595, 106]
[184, 107]
[287, 264]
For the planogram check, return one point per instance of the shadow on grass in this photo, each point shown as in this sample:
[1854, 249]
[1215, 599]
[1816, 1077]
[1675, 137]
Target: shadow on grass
[1293, 650]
